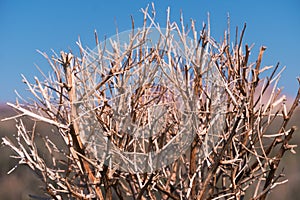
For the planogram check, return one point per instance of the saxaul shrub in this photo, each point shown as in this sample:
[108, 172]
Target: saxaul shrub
[157, 113]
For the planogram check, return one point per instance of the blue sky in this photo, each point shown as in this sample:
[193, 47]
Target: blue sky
[26, 26]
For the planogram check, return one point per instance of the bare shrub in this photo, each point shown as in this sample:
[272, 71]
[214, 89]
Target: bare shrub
[87, 100]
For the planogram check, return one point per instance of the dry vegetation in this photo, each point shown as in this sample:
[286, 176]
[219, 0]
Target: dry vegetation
[236, 159]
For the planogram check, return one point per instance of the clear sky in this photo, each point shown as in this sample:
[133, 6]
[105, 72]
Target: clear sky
[26, 26]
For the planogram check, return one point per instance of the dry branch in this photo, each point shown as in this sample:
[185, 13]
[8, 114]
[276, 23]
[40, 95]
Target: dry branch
[234, 157]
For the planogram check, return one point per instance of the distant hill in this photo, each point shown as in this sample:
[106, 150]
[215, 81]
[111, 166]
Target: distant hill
[23, 181]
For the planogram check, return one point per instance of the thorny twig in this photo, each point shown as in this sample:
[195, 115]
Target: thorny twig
[241, 151]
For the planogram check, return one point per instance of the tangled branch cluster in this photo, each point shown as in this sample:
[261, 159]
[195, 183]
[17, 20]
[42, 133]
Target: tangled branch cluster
[235, 159]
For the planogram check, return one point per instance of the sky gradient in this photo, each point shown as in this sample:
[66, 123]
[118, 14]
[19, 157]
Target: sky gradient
[28, 26]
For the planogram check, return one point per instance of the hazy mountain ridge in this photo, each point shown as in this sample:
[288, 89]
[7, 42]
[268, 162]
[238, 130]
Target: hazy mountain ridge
[23, 182]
